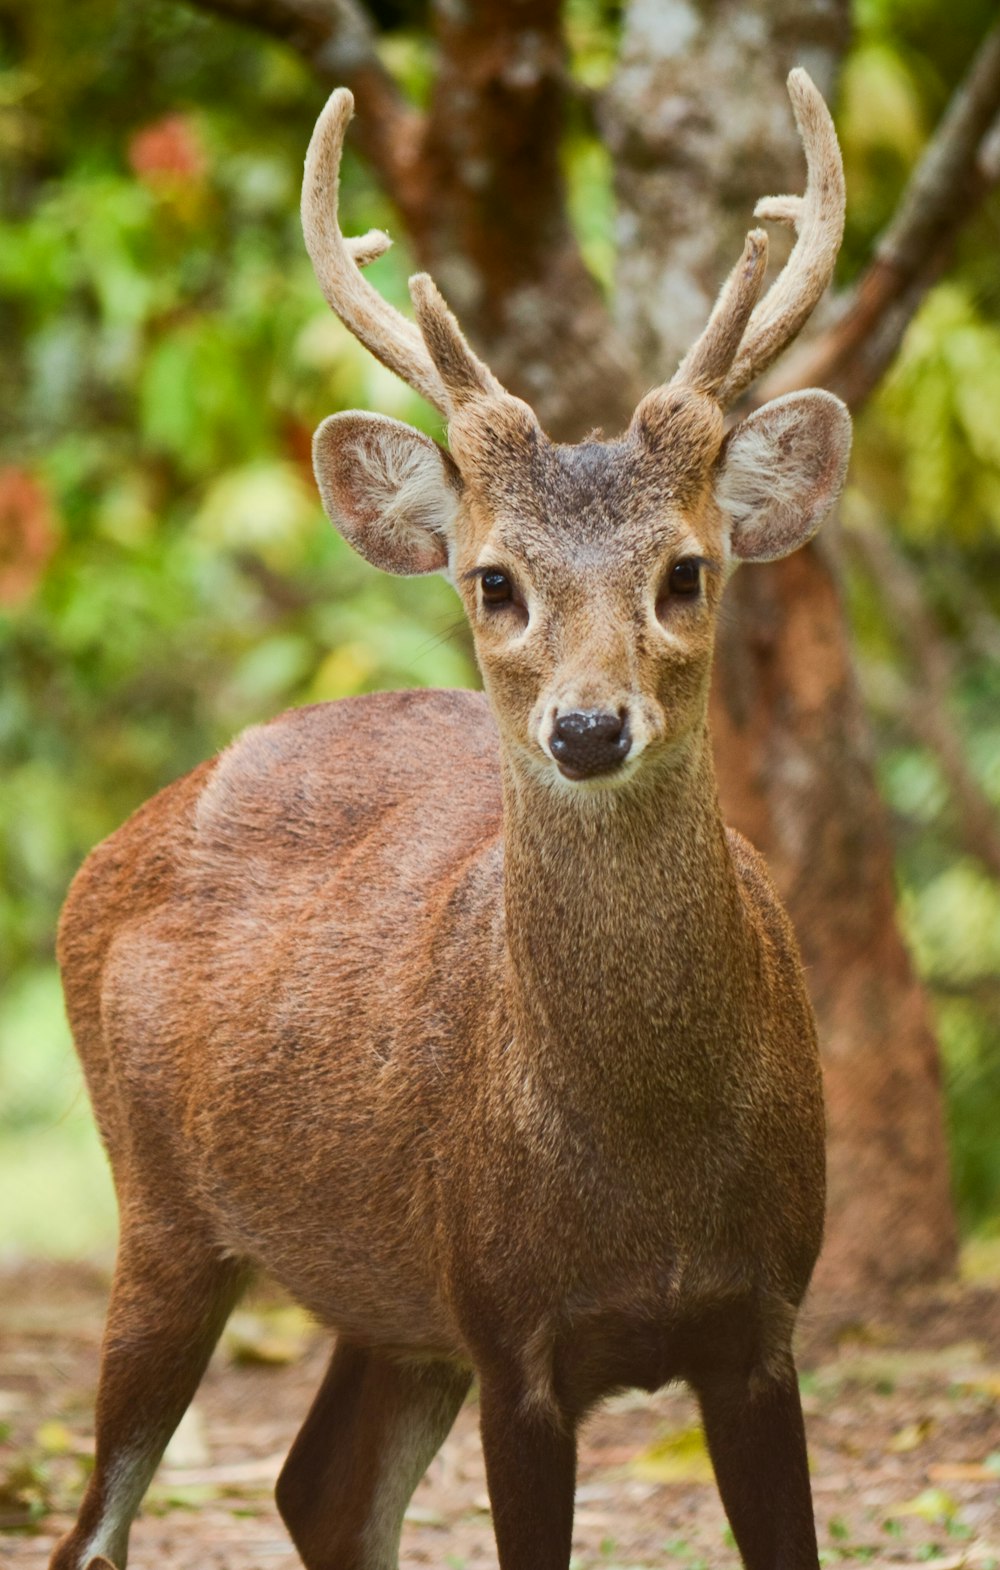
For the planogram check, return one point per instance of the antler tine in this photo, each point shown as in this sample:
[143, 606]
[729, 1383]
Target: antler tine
[464, 375]
[818, 218]
[336, 262]
[705, 365]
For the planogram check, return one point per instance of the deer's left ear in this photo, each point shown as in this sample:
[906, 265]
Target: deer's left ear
[780, 471]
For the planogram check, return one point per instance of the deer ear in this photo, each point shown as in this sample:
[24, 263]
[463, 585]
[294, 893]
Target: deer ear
[392, 492]
[780, 471]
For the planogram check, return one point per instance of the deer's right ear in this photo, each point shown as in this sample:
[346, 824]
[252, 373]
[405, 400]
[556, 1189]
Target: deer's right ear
[392, 492]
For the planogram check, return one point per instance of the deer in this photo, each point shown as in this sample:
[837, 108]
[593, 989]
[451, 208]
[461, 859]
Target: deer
[463, 1015]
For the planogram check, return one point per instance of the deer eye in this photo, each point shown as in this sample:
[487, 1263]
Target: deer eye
[497, 587]
[685, 576]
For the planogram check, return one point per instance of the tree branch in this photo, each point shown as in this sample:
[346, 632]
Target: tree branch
[336, 40]
[958, 168]
[925, 707]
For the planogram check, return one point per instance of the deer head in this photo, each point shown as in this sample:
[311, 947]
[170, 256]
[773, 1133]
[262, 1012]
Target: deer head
[591, 574]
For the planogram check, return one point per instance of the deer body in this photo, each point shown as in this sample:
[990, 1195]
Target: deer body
[466, 1017]
[423, 1109]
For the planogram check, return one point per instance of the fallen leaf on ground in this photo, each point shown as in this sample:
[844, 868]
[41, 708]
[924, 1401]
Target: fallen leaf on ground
[24, 1493]
[165, 1494]
[911, 1436]
[56, 1439]
[933, 1504]
[276, 1336]
[679, 1457]
[963, 1472]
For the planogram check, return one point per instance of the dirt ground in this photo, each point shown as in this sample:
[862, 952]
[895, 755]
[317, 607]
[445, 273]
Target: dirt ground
[903, 1420]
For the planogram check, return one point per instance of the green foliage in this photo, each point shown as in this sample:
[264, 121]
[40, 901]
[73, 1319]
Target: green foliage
[939, 410]
[166, 576]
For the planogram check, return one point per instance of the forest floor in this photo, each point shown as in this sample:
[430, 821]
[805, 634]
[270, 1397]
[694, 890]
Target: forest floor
[903, 1420]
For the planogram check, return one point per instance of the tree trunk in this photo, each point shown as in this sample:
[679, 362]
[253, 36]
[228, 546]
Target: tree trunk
[793, 746]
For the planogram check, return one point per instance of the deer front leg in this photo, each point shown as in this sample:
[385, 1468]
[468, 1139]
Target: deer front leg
[756, 1438]
[171, 1296]
[372, 1431]
[530, 1455]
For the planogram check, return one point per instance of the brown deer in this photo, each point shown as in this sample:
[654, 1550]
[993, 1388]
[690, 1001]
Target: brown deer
[465, 1016]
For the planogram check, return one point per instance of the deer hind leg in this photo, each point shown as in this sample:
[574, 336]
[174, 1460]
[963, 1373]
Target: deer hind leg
[374, 1427]
[756, 1438]
[171, 1296]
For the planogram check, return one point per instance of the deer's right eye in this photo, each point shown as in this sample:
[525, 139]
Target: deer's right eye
[497, 587]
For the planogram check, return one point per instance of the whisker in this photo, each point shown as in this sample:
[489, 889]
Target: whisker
[440, 638]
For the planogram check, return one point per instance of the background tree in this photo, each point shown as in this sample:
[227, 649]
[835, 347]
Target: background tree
[489, 129]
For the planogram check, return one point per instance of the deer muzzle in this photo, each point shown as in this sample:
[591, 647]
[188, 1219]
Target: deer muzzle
[589, 742]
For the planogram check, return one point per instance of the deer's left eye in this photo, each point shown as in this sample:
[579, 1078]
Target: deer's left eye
[685, 576]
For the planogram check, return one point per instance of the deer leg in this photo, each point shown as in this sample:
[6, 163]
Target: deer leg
[530, 1455]
[756, 1438]
[170, 1299]
[373, 1429]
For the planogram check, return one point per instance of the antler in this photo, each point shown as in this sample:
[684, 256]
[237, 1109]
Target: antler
[435, 360]
[706, 363]
[716, 363]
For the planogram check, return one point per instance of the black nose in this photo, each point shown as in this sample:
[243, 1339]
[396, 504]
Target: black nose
[588, 742]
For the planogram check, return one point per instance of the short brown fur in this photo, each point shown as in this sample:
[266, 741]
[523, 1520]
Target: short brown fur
[464, 1016]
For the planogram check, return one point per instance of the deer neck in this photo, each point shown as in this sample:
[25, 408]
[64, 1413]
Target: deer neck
[624, 923]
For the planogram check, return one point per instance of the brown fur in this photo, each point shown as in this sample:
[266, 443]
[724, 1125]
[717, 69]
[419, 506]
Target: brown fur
[490, 1074]
[499, 1064]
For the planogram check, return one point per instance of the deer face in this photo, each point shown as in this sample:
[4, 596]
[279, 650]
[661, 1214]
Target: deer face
[591, 574]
